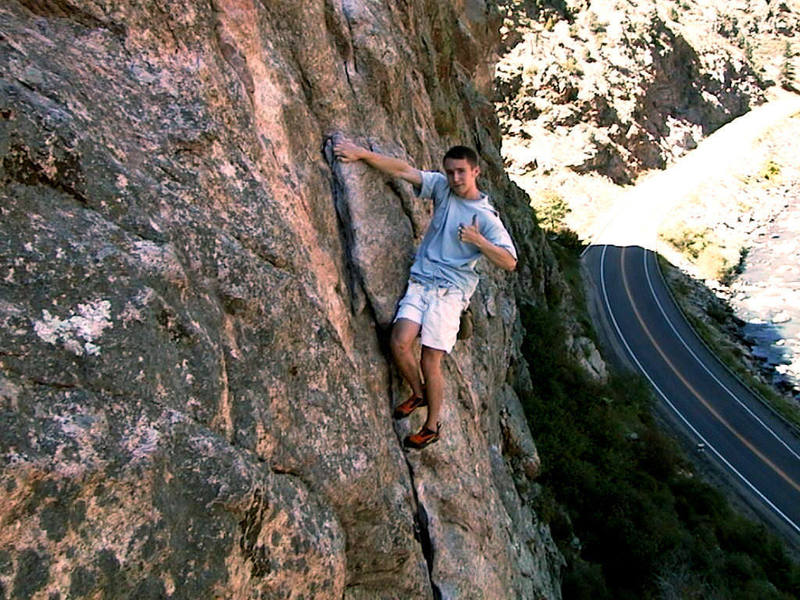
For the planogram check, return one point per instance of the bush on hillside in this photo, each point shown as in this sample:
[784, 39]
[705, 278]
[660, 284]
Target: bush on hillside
[612, 479]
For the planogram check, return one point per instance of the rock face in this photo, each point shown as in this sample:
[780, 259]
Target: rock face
[195, 385]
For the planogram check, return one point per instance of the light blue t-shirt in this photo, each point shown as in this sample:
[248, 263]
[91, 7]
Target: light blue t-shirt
[441, 258]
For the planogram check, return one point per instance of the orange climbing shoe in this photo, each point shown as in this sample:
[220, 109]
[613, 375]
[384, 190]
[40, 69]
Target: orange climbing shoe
[425, 437]
[409, 406]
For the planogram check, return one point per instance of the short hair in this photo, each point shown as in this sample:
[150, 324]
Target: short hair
[459, 152]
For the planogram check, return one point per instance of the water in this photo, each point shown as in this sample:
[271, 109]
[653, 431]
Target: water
[767, 294]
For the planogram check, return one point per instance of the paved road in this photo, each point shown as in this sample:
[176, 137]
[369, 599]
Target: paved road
[754, 449]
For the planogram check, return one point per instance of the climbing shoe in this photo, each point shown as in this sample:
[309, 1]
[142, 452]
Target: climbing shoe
[423, 438]
[409, 406]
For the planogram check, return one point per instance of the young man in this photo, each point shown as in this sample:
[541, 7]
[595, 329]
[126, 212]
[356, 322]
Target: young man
[443, 277]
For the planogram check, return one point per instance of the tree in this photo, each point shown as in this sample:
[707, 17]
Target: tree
[787, 68]
[551, 209]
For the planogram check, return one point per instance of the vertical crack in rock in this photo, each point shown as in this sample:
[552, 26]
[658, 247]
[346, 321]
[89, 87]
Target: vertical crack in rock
[234, 57]
[406, 209]
[377, 234]
[250, 528]
[422, 533]
[341, 32]
[354, 284]
[421, 522]
[349, 81]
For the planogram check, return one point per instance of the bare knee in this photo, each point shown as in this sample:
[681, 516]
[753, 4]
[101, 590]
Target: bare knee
[431, 361]
[401, 339]
[398, 344]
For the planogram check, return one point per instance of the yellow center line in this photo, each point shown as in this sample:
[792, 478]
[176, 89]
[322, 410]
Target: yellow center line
[691, 388]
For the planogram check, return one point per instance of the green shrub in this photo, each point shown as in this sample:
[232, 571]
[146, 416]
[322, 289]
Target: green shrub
[688, 240]
[584, 581]
[787, 74]
[595, 25]
[712, 263]
[628, 494]
[569, 239]
[551, 209]
[771, 171]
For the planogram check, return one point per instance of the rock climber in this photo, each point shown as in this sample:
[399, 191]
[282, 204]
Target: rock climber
[464, 227]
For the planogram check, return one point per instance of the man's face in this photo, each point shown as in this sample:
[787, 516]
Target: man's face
[462, 177]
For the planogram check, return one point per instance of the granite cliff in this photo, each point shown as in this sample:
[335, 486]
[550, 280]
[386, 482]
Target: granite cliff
[194, 377]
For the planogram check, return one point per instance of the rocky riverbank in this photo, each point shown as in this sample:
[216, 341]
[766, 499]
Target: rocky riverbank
[767, 296]
[736, 234]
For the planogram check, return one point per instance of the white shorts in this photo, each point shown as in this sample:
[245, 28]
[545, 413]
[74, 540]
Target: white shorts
[437, 310]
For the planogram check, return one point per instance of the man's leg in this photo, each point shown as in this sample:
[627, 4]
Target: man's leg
[404, 332]
[434, 382]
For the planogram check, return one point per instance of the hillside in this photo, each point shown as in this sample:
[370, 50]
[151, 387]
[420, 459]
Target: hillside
[594, 96]
[591, 94]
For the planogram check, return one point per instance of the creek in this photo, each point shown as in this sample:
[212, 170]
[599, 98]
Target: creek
[766, 295]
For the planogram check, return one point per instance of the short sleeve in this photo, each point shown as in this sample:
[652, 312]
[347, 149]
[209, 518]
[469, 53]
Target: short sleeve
[498, 235]
[432, 185]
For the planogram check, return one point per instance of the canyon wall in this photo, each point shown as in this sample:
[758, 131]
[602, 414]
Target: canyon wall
[195, 384]
[618, 88]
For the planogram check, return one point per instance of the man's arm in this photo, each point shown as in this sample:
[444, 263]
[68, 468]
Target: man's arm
[346, 151]
[497, 255]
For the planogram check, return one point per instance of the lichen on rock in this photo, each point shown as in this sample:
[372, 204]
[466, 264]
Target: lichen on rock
[79, 331]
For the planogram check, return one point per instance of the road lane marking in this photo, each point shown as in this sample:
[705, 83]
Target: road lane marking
[680, 415]
[692, 389]
[706, 369]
